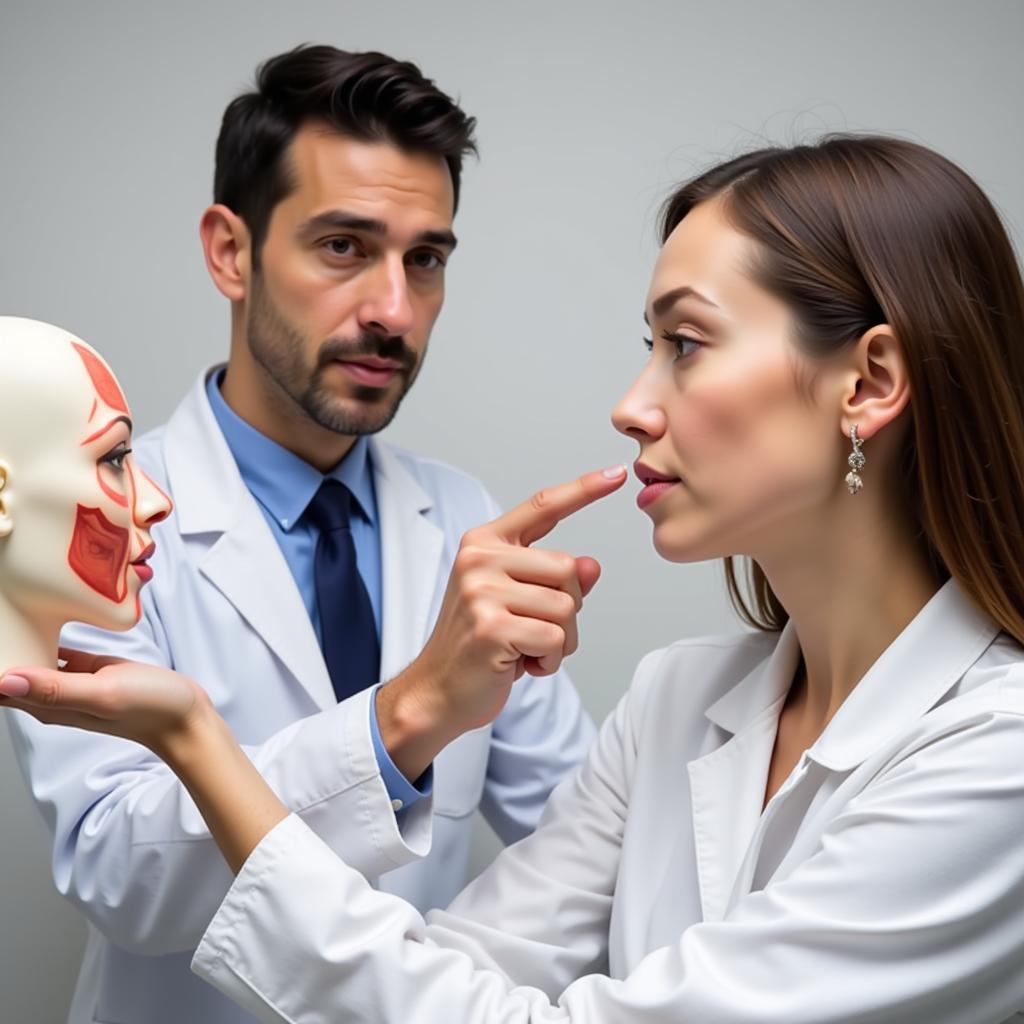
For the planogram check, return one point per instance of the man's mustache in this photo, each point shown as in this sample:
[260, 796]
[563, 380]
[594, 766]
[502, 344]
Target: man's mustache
[394, 348]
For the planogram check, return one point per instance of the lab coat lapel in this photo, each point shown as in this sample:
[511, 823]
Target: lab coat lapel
[243, 561]
[727, 785]
[247, 567]
[909, 678]
[410, 547]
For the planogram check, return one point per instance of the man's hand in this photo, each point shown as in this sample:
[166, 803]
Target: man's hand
[508, 609]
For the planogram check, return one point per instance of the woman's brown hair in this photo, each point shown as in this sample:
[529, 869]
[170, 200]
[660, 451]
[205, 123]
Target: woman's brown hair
[856, 231]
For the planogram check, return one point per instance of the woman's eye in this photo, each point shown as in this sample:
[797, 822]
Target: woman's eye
[116, 458]
[684, 344]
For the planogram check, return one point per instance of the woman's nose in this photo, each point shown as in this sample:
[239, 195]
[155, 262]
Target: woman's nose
[639, 414]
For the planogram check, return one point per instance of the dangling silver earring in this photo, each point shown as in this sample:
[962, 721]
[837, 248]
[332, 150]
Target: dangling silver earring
[856, 461]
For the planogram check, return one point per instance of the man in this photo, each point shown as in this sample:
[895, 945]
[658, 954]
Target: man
[305, 561]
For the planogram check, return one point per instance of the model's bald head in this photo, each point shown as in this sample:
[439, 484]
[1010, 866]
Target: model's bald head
[47, 387]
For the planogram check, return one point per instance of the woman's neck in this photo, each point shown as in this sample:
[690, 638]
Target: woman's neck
[850, 589]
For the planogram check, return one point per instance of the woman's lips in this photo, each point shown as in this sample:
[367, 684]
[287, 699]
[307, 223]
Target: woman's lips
[652, 492]
[655, 484]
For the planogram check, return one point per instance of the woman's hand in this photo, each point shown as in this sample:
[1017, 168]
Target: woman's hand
[152, 706]
[173, 717]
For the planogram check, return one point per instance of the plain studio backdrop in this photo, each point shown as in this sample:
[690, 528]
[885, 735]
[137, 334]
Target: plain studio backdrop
[588, 113]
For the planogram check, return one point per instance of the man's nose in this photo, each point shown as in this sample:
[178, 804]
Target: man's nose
[386, 308]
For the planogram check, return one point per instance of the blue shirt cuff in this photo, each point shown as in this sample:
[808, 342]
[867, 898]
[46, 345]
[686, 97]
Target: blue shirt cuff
[403, 793]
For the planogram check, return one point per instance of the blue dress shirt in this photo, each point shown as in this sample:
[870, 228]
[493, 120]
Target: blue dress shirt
[283, 485]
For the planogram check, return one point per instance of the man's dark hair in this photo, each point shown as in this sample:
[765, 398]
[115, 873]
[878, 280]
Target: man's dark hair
[367, 96]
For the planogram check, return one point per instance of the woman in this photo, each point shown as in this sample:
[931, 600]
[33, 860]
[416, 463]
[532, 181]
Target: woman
[818, 821]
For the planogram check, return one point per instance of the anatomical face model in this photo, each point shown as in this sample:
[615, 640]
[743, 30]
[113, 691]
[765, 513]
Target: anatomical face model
[75, 512]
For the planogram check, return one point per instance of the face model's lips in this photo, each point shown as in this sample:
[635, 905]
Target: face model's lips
[655, 484]
[143, 571]
[371, 371]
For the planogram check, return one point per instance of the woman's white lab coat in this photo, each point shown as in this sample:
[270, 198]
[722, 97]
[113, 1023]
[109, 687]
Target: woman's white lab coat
[883, 882]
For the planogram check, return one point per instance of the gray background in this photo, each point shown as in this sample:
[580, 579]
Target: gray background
[588, 112]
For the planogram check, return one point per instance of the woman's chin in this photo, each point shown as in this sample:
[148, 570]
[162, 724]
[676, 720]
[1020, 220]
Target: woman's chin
[675, 545]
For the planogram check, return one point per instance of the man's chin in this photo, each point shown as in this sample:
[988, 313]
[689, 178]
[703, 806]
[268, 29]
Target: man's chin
[355, 416]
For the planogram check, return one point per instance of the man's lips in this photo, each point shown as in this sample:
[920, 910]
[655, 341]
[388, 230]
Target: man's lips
[371, 370]
[144, 572]
[655, 483]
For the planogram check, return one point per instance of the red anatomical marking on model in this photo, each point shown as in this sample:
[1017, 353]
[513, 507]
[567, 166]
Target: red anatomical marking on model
[99, 553]
[102, 379]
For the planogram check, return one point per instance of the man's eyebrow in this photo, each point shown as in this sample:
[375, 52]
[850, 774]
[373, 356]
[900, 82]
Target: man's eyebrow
[99, 433]
[663, 303]
[340, 220]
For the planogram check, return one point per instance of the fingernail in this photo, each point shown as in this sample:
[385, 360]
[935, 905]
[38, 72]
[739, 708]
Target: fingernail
[613, 472]
[14, 686]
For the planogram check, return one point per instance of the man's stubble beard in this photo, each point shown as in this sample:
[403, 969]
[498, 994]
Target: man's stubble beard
[279, 348]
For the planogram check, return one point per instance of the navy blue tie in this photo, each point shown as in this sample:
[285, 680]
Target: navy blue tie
[347, 626]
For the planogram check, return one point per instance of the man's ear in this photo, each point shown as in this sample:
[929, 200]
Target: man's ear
[6, 519]
[878, 388]
[227, 247]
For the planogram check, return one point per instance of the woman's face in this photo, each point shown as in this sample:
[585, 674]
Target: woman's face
[79, 510]
[738, 452]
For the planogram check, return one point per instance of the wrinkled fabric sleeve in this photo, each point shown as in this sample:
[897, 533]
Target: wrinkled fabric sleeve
[131, 850]
[908, 909]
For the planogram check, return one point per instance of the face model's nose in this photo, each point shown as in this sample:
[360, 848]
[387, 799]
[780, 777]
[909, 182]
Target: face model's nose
[152, 506]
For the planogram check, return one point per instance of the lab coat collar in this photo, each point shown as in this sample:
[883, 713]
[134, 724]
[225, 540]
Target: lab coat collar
[411, 546]
[241, 557]
[245, 562]
[196, 454]
[910, 677]
[760, 688]
[922, 664]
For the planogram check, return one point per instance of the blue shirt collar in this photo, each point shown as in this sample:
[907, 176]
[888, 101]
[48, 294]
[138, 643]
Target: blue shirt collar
[278, 479]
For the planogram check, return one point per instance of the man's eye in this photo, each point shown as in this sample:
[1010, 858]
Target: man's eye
[341, 246]
[426, 259]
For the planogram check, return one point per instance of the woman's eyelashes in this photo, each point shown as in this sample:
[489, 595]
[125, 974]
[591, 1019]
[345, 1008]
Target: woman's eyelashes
[683, 344]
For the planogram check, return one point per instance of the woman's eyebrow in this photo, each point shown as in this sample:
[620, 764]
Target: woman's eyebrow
[663, 303]
[103, 430]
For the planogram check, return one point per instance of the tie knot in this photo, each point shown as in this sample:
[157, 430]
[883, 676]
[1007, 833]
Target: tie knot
[331, 506]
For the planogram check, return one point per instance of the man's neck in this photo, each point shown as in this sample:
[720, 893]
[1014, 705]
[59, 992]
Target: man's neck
[261, 402]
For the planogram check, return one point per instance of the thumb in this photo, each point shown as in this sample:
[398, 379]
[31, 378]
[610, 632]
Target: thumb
[589, 572]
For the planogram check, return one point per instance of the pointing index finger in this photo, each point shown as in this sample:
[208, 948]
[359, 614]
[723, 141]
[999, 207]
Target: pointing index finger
[545, 509]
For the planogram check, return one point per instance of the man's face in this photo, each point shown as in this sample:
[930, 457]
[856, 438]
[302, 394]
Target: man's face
[351, 278]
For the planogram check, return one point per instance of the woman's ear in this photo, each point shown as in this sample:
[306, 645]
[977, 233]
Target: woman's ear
[227, 249]
[878, 388]
[6, 519]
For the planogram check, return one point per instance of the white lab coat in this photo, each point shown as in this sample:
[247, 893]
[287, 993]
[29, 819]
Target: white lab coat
[130, 848]
[883, 882]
